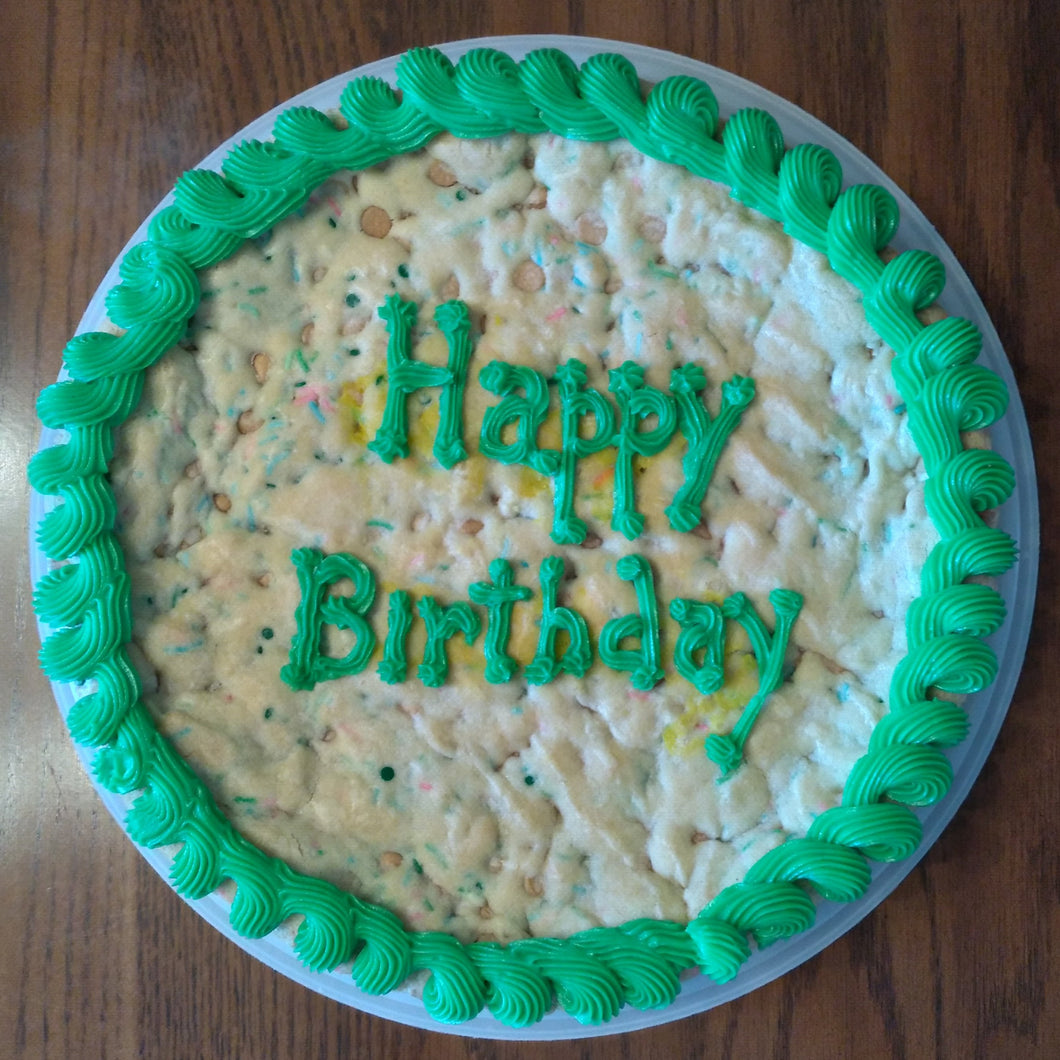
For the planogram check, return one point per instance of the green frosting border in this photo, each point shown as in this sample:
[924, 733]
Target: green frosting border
[592, 974]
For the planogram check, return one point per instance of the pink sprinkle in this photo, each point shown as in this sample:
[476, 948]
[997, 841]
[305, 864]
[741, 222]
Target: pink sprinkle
[682, 318]
[335, 206]
[701, 726]
[417, 561]
[556, 314]
[305, 395]
[888, 401]
[424, 786]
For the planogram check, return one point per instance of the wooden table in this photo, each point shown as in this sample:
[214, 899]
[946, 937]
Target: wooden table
[103, 104]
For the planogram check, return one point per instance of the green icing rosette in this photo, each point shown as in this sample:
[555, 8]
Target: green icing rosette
[517, 993]
[384, 960]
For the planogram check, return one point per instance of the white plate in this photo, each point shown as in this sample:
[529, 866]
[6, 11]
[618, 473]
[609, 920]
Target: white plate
[1018, 517]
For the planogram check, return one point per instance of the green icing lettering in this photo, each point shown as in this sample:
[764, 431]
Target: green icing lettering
[576, 403]
[443, 623]
[705, 437]
[727, 750]
[393, 667]
[316, 574]
[546, 666]
[527, 413]
[702, 629]
[498, 596]
[636, 402]
[405, 376]
[643, 664]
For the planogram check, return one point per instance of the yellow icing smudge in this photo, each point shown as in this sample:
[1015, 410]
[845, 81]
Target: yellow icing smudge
[351, 402]
[423, 426]
[715, 713]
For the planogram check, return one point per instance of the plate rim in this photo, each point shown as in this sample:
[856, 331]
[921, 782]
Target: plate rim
[1021, 580]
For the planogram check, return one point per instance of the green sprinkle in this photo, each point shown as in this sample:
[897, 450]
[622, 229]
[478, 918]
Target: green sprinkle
[669, 274]
[244, 798]
[403, 271]
[355, 352]
[461, 195]
[417, 866]
[437, 853]
[257, 290]
[333, 222]
[387, 773]
[352, 299]
[268, 713]
[379, 379]
[267, 633]
[260, 650]
[380, 523]
[528, 781]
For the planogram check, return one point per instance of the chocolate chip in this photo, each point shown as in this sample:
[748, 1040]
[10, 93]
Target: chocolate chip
[528, 276]
[590, 229]
[260, 363]
[439, 173]
[375, 222]
[247, 422]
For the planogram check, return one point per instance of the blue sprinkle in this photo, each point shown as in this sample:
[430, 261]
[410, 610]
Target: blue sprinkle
[315, 409]
[180, 649]
[270, 466]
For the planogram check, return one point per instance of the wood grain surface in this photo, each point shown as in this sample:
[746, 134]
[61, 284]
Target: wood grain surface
[103, 104]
